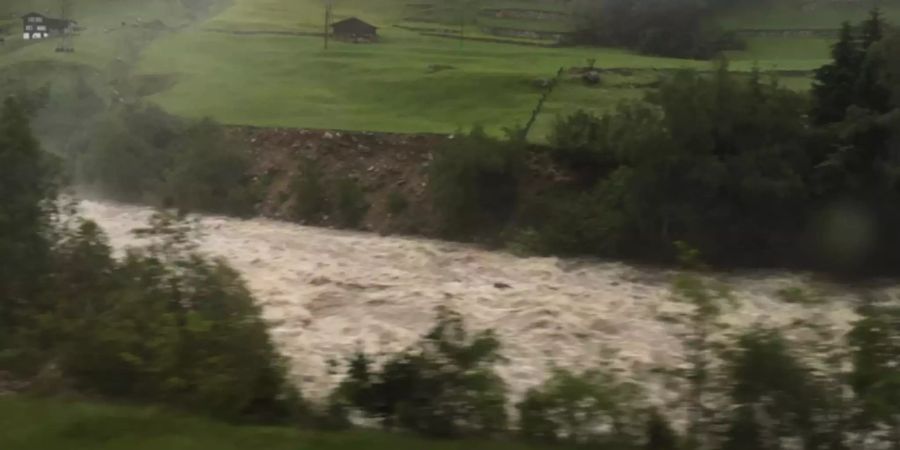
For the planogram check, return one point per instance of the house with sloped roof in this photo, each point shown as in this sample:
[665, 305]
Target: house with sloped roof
[38, 26]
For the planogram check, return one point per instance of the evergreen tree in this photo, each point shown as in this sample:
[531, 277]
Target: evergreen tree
[872, 30]
[25, 186]
[660, 435]
[744, 431]
[875, 340]
[834, 88]
[872, 93]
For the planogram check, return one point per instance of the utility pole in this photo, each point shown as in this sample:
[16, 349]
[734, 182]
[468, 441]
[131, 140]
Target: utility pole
[65, 44]
[327, 21]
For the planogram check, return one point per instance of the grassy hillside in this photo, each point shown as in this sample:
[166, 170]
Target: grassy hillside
[796, 14]
[58, 425]
[257, 62]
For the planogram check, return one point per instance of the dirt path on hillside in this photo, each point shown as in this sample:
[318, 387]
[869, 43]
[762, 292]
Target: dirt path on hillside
[325, 292]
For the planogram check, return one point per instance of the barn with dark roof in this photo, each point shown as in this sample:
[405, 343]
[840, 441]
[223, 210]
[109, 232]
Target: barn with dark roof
[354, 30]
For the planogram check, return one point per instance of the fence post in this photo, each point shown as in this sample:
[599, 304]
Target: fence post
[540, 104]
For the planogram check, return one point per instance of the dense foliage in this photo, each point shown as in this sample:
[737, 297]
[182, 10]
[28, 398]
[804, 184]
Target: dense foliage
[444, 386]
[163, 324]
[26, 185]
[474, 180]
[140, 153]
[590, 408]
[743, 169]
[675, 28]
[717, 160]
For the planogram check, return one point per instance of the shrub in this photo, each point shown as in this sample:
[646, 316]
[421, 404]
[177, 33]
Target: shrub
[443, 386]
[27, 182]
[126, 152]
[143, 154]
[397, 203]
[351, 203]
[164, 325]
[475, 182]
[210, 173]
[311, 196]
[778, 397]
[586, 408]
[875, 378]
[577, 142]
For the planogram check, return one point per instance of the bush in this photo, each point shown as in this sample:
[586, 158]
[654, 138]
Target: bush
[27, 182]
[716, 160]
[311, 196]
[211, 173]
[675, 28]
[475, 183]
[444, 386]
[163, 325]
[778, 397]
[142, 154]
[577, 142]
[590, 408]
[351, 203]
[397, 203]
[126, 153]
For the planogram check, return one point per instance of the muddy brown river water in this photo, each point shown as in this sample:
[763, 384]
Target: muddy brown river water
[324, 292]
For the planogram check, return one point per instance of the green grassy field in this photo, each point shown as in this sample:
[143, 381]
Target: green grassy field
[286, 80]
[29, 424]
[793, 14]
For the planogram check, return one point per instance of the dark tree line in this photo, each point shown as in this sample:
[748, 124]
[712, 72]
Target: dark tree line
[676, 28]
[755, 389]
[742, 168]
[163, 324]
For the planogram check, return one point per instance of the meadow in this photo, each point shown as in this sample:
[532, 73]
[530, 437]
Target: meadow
[407, 82]
[34, 424]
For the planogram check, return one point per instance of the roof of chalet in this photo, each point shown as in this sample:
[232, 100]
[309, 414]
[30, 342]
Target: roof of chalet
[353, 20]
[50, 20]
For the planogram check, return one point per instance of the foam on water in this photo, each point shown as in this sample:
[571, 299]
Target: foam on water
[324, 292]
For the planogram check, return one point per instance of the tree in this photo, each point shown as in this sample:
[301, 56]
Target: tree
[444, 386]
[659, 434]
[835, 83]
[778, 397]
[677, 28]
[27, 191]
[890, 49]
[589, 408]
[875, 343]
[871, 91]
[164, 325]
[744, 431]
[872, 30]
[475, 180]
[209, 173]
[708, 299]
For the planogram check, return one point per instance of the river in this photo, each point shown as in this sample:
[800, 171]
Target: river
[325, 292]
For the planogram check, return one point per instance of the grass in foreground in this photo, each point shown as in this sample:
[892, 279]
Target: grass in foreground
[31, 424]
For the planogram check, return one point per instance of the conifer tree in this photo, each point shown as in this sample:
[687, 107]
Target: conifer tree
[872, 30]
[25, 186]
[835, 88]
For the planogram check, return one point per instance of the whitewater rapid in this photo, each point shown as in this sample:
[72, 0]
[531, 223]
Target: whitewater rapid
[326, 292]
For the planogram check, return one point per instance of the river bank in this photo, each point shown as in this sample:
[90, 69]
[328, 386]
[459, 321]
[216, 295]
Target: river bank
[326, 292]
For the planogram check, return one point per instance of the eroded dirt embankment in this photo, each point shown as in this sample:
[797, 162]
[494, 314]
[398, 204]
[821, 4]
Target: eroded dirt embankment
[383, 165]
